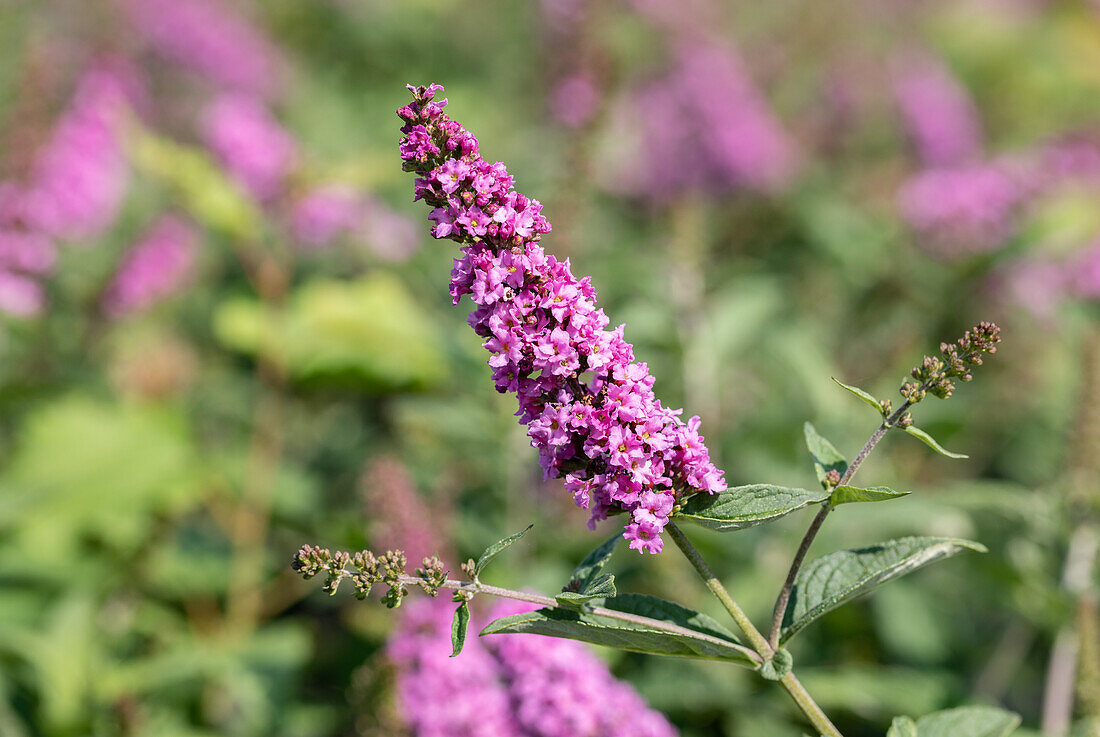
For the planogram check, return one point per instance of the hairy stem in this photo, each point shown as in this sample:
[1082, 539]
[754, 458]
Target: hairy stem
[784, 597]
[789, 681]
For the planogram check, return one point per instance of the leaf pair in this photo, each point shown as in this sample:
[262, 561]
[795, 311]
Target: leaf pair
[914, 431]
[461, 621]
[588, 581]
[757, 504]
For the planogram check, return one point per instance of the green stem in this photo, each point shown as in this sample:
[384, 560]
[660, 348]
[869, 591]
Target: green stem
[784, 598]
[473, 588]
[789, 681]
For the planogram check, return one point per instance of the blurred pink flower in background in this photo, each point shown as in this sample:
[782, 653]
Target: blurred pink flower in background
[939, 115]
[325, 214]
[250, 143]
[206, 37]
[963, 210]
[389, 235]
[158, 265]
[20, 295]
[705, 125]
[398, 517]
[574, 100]
[509, 685]
[1037, 286]
[26, 251]
[335, 212]
[1084, 272]
[81, 176]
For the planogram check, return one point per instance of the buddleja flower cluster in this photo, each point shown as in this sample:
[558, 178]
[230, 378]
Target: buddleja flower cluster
[530, 686]
[936, 373]
[588, 406]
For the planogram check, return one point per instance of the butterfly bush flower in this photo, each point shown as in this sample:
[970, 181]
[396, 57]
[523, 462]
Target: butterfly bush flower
[706, 125]
[157, 266]
[504, 686]
[399, 517]
[574, 100]
[1084, 272]
[939, 115]
[588, 405]
[81, 176]
[336, 211]
[250, 142]
[207, 38]
[20, 295]
[964, 209]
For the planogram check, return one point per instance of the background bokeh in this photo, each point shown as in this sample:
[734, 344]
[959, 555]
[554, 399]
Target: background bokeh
[225, 332]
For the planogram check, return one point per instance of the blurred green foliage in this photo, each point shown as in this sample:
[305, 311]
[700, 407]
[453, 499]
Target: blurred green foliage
[157, 473]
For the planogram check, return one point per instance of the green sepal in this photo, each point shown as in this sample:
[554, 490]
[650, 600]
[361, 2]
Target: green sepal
[458, 628]
[496, 549]
[746, 506]
[931, 442]
[832, 580]
[850, 494]
[826, 457]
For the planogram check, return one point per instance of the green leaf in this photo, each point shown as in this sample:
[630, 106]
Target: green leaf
[746, 506]
[834, 579]
[458, 628]
[601, 587]
[931, 442]
[968, 721]
[826, 456]
[496, 549]
[849, 494]
[320, 338]
[902, 727]
[589, 568]
[699, 636]
[865, 396]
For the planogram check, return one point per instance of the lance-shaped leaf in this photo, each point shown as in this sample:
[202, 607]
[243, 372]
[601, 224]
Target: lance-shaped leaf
[496, 549]
[865, 396]
[968, 721]
[931, 442]
[828, 582]
[826, 456]
[688, 634]
[746, 506]
[458, 628]
[850, 494]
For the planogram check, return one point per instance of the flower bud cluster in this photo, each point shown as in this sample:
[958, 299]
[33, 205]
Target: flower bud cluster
[588, 406]
[936, 374]
[369, 569]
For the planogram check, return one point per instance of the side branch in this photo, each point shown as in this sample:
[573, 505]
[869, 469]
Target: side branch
[784, 598]
[469, 587]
